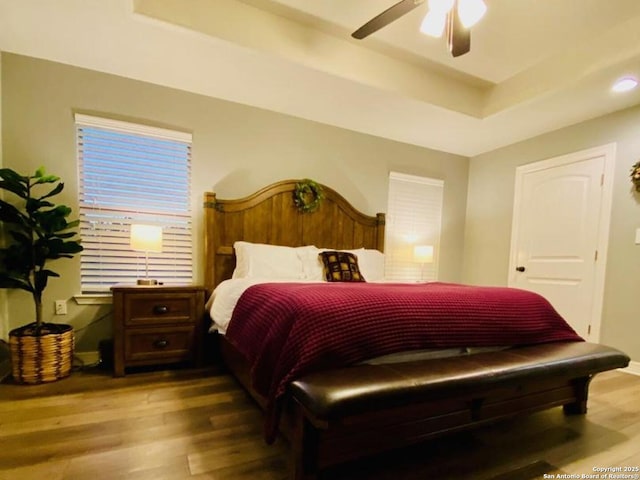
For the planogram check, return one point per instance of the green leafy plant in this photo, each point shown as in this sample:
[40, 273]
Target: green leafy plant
[35, 230]
[308, 195]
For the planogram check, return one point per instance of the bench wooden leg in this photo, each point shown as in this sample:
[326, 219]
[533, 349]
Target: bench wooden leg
[581, 387]
[304, 446]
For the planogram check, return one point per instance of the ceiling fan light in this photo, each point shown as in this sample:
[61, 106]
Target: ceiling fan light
[624, 84]
[433, 24]
[471, 11]
[440, 6]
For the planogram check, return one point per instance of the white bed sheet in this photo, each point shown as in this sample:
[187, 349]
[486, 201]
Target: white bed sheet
[224, 298]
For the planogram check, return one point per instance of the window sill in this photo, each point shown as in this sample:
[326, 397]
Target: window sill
[93, 299]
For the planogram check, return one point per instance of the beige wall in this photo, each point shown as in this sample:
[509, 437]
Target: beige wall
[236, 150]
[4, 319]
[489, 216]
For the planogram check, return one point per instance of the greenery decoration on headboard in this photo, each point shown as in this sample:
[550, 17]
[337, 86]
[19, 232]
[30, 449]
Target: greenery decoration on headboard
[635, 175]
[307, 195]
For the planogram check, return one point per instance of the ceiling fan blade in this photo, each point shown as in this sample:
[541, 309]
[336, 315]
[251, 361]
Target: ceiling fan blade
[458, 37]
[385, 18]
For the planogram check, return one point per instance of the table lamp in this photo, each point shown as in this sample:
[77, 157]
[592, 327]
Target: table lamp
[423, 254]
[146, 238]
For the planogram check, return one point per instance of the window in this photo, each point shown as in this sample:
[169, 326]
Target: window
[414, 217]
[132, 174]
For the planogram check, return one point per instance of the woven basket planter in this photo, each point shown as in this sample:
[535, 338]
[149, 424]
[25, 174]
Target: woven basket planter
[41, 355]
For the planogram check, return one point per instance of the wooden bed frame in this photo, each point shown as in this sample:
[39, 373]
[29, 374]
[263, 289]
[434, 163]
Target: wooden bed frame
[523, 384]
[270, 216]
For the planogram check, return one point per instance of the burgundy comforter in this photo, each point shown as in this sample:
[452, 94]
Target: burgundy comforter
[286, 330]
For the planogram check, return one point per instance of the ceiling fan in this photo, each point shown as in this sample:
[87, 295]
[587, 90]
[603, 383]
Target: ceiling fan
[454, 16]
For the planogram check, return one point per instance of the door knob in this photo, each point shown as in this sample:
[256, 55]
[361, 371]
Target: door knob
[520, 269]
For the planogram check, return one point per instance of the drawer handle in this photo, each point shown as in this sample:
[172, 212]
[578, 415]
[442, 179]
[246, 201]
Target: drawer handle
[160, 309]
[161, 343]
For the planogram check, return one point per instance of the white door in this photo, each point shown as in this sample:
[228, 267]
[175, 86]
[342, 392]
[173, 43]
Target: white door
[560, 231]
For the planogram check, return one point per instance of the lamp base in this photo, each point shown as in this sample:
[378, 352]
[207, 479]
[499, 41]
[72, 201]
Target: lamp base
[147, 281]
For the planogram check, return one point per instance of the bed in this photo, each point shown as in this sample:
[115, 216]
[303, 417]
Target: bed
[336, 398]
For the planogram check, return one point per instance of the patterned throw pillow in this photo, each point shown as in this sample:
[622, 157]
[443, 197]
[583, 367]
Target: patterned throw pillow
[340, 267]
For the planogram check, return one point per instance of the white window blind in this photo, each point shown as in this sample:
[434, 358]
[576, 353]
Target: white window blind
[414, 217]
[132, 174]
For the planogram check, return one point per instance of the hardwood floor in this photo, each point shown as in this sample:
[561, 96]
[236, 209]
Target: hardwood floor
[199, 424]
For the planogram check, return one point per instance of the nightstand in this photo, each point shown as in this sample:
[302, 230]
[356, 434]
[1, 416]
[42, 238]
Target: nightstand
[157, 324]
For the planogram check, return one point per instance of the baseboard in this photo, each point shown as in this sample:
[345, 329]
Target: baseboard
[633, 368]
[93, 357]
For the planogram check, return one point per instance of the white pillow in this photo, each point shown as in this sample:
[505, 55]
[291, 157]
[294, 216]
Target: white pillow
[312, 265]
[259, 260]
[370, 263]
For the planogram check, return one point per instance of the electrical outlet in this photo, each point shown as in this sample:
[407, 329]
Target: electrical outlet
[61, 307]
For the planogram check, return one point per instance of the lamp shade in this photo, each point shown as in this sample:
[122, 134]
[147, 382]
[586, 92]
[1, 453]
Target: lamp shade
[433, 24]
[423, 253]
[146, 238]
[471, 11]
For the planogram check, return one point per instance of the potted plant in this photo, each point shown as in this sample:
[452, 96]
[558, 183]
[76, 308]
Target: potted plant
[35, 232]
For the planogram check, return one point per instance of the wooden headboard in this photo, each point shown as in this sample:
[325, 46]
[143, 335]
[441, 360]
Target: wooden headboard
[271, 216]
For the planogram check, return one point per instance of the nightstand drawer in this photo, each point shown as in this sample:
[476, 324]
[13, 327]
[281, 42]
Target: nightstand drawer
[158, 344]
[150, 309]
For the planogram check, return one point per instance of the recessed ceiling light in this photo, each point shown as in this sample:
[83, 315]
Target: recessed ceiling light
[625, 84]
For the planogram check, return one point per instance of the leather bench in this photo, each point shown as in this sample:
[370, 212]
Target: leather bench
[365, 409]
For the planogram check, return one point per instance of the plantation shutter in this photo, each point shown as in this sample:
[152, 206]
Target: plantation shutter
[132, 174]
[414, 217]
